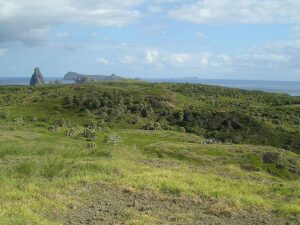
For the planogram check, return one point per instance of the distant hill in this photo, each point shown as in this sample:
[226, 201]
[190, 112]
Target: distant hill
[77, 77]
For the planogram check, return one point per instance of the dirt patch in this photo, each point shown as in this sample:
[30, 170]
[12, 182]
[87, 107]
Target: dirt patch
[107, 204]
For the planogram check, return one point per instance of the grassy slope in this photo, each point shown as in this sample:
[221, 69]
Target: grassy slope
[47, 178]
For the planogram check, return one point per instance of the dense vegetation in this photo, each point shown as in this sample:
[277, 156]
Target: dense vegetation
[223, 114]
[177, 146]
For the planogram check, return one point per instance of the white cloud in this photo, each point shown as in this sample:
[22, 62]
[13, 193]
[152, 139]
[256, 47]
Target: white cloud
[270, 60]
[151, 56]
[163, 59]
[179, 59]
[239, 12]
[273, 59]
[28, 20]
[103, 61]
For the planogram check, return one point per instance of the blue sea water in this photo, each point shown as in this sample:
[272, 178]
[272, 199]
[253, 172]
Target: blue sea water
[289, 87]
[26, 80]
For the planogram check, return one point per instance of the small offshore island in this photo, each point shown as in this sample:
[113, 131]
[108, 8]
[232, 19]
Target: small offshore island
[109, 150]
[38, 79]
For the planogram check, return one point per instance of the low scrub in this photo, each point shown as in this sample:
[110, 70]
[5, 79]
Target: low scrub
[112, 139]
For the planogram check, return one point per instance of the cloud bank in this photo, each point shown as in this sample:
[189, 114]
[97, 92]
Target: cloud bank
[29, 21]
[239, 12]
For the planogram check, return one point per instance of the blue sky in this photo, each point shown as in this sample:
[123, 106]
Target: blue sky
[214, 39]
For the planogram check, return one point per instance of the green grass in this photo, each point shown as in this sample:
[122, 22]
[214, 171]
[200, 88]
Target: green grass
[41, 171]
[33, 180]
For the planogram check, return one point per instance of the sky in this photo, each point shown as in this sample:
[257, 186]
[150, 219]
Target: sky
[209, 39]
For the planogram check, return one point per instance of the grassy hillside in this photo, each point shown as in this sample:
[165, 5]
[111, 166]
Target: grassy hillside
[138, 153]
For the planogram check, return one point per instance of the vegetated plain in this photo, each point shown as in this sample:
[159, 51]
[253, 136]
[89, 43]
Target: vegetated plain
[130, 152]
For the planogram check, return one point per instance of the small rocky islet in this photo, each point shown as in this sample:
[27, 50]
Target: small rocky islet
[37, 78]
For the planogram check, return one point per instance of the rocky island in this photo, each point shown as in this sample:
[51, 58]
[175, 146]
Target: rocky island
[83, 78]
[37, 78]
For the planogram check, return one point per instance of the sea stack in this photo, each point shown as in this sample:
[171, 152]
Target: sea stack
[37, 78]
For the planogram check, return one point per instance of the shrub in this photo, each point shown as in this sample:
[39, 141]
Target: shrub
[89, 134]
[146, 112]
[106, 129]
[18, 121]
[3, 115]
[91, 145]
[113, 139]
[179, 115]
[62, 123]
[210, 141]
[53, 128]
[276, 121]
[133, 121]
[166, 127]
[69, 100]
[86, 112]
[270, 157]
[72, 132]
[182, 129]
[94, 125]
[103, 115]
[152, 126]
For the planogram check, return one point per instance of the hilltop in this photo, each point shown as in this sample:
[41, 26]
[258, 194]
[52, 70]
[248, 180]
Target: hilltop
[133, 152]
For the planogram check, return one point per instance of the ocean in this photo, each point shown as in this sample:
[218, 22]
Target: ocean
[26, 80]
[288, 87]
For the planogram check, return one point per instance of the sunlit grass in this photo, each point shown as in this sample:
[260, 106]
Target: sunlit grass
[37, 169]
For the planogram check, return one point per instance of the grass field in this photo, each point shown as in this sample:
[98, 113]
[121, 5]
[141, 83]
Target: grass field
[160, 176]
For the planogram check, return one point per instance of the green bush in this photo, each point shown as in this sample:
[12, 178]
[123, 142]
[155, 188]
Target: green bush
[18, 121]
[276, 121]
[72, 132]
[91, 145]
[53, 128]
[152, 126]
[113, 139]
[90, 134]
[133, 120]
[3, 115]
[270, 157]
[62, 123]
[182, 129]
[96, 125]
